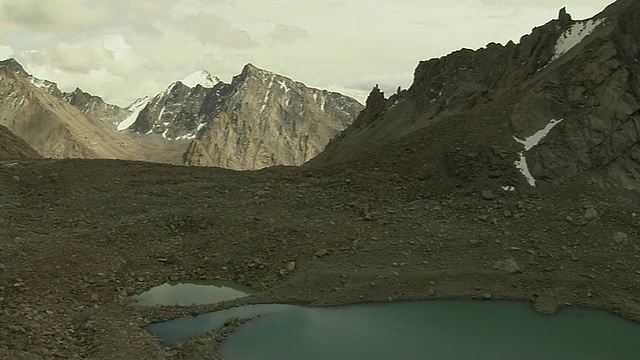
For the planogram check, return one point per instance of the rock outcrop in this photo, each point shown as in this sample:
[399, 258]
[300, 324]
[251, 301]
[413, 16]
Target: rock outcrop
[563, 103]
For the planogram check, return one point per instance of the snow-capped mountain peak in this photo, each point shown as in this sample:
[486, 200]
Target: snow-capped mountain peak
[202, 78]
[45, 85]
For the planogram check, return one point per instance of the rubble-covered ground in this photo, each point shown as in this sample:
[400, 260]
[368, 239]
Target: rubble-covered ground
[80, 237]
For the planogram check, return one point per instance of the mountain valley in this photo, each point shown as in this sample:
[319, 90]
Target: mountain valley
[506, 173]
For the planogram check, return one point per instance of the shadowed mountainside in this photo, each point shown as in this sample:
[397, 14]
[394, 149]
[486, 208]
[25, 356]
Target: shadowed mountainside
[14, 148]
[571, 85]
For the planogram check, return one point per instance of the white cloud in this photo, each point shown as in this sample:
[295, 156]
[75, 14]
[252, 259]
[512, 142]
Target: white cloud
[287, 33]
[124, 60]
[123, 49]
[213, 30]
[59, 16]
[5, 52]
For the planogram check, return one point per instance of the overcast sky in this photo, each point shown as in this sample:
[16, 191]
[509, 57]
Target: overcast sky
[125, 49]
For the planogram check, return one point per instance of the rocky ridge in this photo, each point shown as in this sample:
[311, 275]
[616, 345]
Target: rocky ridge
[95, 108]
[480, 106]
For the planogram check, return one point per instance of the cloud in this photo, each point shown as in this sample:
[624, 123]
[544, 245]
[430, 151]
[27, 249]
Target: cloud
[6, 51]
[214, 30]
[124, 60]
[57, 16]
[123, 49]
[225, 66]
[79, 57]
[287, 33]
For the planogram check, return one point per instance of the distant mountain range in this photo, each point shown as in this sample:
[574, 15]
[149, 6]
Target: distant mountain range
[261, 119]
[561, 106]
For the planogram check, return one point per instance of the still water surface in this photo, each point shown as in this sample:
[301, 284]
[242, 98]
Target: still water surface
[449, 329]
[435, 330]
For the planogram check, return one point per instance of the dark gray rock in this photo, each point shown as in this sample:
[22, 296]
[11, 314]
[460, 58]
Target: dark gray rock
[621, 238]
[515, 90]
[291, 266]
[322, 252]
[487, 195]
[590, 214]
[509, 266]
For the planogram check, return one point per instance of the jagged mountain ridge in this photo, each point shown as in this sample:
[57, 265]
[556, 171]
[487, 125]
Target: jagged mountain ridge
[91, 105]
[261, 119]
[95, 108]
[192, 125]
[466, 115]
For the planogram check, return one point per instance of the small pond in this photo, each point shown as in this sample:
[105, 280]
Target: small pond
[434, 329]
[193, 292]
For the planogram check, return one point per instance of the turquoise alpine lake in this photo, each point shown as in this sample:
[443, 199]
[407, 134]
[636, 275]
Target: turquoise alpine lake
[431, 329]
[193, 292]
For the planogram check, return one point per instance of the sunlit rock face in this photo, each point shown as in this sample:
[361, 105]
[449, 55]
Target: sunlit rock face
[261, 119]
[71, 125]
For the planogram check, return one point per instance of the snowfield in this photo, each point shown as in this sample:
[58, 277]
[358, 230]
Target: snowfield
[528, 143]
[574, 36]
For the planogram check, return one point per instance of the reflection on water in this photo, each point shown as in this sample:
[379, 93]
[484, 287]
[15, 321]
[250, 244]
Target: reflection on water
[174, 331]
[194, 292]
[415, 330]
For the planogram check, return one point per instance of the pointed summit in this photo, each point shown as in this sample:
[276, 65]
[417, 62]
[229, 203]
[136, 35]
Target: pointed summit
[202, 78]
[251, 69]
[564, 17]
[12, 65]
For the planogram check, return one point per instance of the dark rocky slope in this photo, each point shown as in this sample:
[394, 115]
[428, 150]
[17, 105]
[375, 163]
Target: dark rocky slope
[14, 148]
[462, 114]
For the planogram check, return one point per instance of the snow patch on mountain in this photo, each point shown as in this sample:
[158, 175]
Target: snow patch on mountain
[135, 109]
[534, 139]
[528, 143]
[202, 78]
[192, 135]
[574, 35]
[45, 85]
